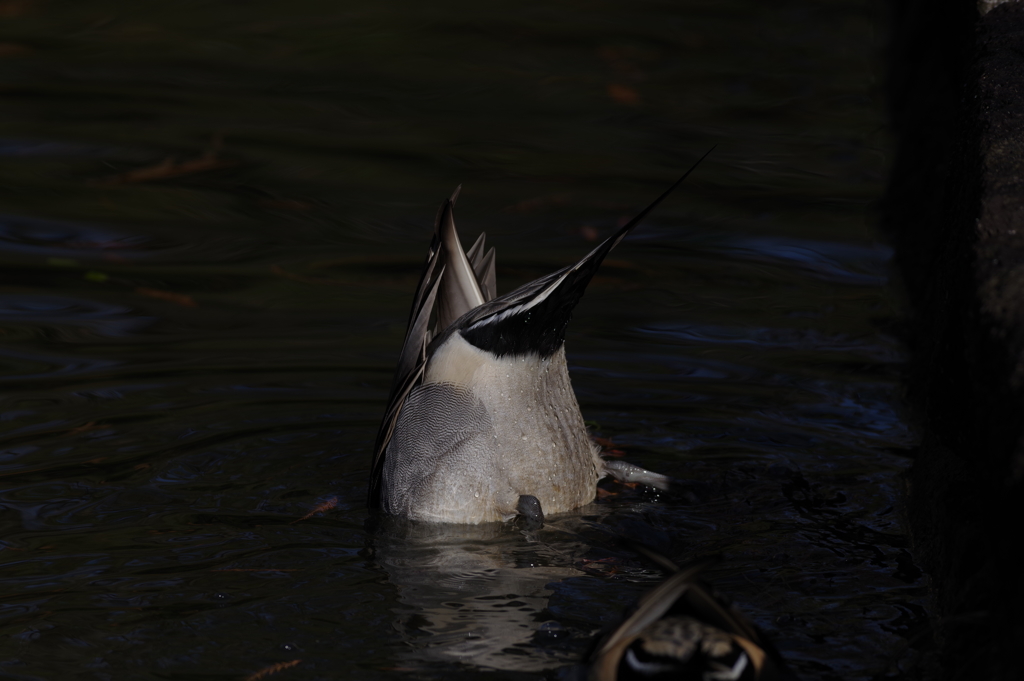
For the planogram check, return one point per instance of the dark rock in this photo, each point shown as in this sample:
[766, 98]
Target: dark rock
[955, 214]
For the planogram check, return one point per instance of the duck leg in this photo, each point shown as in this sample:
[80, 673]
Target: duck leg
[627, 472]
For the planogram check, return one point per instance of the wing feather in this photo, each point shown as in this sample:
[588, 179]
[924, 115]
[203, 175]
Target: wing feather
[448, 286]
[410, 370]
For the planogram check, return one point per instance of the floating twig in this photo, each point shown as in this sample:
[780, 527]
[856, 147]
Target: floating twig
[177, 298]
[322, 508]
[171, 167]
[272, 669]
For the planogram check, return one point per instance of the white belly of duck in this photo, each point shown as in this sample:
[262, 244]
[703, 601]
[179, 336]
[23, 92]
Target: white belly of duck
[480, 431]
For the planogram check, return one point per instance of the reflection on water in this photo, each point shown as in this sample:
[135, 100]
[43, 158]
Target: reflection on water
[213, 217]
[474, 595]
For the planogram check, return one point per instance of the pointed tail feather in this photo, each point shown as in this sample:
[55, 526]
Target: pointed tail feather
[476, 251]
[460, 292]
[611, 242]
[486, 275]
[533, 318]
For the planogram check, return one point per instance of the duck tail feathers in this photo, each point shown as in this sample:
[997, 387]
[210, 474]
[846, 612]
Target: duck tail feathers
[460, 291]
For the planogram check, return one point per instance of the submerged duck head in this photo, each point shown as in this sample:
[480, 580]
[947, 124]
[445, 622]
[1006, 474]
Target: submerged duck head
[482, 422]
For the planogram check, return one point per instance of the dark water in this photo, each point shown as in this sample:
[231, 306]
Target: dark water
[213, 218]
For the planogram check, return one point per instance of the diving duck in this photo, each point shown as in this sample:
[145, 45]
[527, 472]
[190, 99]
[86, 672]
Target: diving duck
[482, 423]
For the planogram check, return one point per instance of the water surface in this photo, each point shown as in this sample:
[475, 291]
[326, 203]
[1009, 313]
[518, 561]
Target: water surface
[212, 219]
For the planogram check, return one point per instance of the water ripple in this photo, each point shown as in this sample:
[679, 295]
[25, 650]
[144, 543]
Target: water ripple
[50, 311]
[35, 236]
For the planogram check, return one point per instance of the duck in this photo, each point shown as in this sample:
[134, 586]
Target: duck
[684, 630]
[482, 424]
